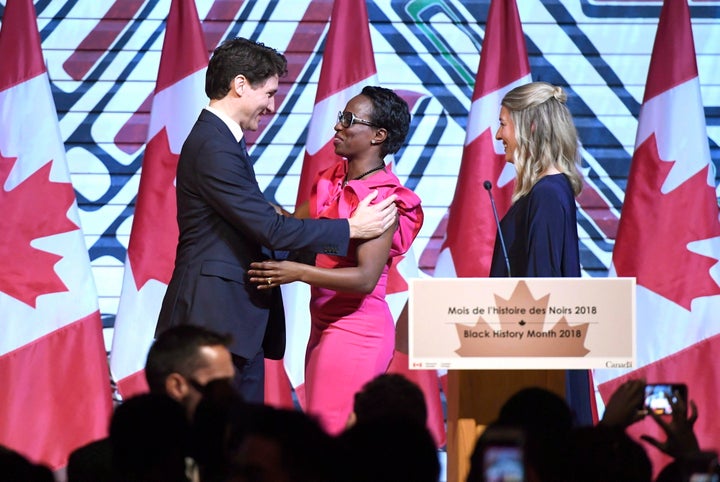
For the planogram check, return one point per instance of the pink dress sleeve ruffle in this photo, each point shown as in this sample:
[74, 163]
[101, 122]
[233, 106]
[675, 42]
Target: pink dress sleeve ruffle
[329, 199]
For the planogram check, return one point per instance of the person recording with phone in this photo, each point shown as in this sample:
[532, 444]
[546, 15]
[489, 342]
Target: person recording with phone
[677, 422]
[630, 403]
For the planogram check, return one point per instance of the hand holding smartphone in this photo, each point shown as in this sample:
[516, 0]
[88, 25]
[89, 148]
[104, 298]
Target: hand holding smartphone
[503, 455]
[660, 398]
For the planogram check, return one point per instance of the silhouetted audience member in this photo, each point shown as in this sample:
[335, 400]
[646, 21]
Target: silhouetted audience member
[180, 363]
[389, 395]
[149, 436]
[554, 451]
[388, 450]
[545, 420]
[15, 467]
[624, 408]
[272, 444]
[183, 359]
[690, 462]
[606, 454]
[701, 466]
[91, 462]
[216, 416]
[500, 454]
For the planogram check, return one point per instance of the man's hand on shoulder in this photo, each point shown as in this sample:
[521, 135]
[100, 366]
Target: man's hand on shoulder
[370, 221]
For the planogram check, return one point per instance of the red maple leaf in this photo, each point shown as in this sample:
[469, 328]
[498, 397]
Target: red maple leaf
[154, 231]
[34, 209]
[655, 229]
[471, 227]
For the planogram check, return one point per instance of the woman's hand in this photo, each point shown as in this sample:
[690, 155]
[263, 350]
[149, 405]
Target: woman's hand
[269, 274]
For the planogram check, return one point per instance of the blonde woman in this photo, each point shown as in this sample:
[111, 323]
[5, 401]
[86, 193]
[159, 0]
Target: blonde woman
[540, 228]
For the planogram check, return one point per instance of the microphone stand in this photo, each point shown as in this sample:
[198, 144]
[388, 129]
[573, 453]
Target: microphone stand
[488, 186]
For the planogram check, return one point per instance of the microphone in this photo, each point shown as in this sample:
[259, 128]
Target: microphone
[488, 186]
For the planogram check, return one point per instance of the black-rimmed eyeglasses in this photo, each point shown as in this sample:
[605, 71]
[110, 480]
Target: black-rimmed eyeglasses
[346, 119]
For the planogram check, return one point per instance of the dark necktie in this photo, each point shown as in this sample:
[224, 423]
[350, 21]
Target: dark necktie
[243, 146]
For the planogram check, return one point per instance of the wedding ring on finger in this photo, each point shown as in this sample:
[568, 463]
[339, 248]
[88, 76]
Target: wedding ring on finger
[269, 280]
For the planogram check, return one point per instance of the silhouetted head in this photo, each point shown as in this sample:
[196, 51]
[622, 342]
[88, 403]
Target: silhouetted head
[390, 395]
[606, 454]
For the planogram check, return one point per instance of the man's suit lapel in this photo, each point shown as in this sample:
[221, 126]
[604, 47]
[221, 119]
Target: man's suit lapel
[224, 130]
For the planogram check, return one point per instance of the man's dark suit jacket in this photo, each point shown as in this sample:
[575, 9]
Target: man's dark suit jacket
[224, 222]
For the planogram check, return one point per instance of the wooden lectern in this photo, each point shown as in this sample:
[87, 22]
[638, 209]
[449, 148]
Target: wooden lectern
[496, 336]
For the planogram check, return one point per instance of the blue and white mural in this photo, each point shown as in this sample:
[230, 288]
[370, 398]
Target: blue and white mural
[103, 55]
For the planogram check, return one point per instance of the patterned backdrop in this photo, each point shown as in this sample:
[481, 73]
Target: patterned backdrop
[103, 56]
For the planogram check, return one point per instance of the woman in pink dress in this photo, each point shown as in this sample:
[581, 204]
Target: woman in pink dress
[352, 333]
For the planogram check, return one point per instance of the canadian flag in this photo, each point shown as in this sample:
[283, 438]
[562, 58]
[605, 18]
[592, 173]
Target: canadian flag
[669, 235]
[469, 226]
[177, 101]
[403, 269]
[55, 389]
[470, 237]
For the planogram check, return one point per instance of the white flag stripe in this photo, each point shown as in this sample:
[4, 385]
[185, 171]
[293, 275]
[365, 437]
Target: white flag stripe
[445, 265]
[671, 132]
[179, 106]
[15, 110]
[658, 332]
[138, 313]
[484, 113]
[324, 115]
[296, 301]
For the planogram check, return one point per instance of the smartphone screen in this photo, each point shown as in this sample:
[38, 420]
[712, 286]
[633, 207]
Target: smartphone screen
[659, 397]
[503, 463]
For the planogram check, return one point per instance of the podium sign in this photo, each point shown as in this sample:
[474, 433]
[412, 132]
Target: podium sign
[522, 323]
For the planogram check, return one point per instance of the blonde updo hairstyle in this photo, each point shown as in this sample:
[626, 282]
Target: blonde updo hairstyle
[545, 135]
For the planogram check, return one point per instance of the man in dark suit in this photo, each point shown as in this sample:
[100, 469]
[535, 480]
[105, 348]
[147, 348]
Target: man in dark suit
[225, 220]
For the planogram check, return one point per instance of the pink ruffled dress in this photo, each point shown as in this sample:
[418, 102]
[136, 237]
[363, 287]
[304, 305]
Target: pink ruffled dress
[352, 335]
